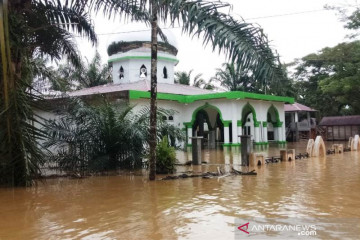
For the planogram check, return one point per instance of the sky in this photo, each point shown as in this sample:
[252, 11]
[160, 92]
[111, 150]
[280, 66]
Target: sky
[294, 28]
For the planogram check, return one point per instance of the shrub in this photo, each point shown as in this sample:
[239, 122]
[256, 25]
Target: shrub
[166, 157]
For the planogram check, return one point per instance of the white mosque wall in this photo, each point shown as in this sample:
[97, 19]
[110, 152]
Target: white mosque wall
[131, 62]
[231, 110]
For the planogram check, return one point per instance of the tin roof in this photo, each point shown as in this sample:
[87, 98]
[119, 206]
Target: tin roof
[340, 121]
[297, 107]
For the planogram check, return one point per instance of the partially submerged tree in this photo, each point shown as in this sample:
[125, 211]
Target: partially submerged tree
[96, 138]
[30, 29]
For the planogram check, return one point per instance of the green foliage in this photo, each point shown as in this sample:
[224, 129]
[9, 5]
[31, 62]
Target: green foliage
[329, 81]
[184, 78]
[235, 78]
[166, 157]
[105, 137]
[31, 30]
[87, 74]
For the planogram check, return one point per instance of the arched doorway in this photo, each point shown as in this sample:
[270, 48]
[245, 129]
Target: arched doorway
[207, 122]
[249, 121]
[273, 122]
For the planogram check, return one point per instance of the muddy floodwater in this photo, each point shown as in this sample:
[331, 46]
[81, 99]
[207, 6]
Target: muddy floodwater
[131, 207]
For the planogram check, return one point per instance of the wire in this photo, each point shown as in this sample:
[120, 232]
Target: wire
[253, 18]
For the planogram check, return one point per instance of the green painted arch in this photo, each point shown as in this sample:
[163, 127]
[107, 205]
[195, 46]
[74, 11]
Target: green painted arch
[206, 105]
[246, 110]
[278, 123]
[207, 119]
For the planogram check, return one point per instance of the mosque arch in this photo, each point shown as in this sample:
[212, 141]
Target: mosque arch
[212, 116]
[246, 111]
[272, 122]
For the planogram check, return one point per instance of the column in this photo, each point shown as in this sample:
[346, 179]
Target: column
[239, 130]
[235, 138]
[276, 133]
[256, 132]
[283, 132]
[189, 134]
[265, 132]
[226, 134]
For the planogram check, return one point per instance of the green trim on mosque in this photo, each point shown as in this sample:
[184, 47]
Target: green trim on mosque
[261, 143]
[134, 94]
[264, 124]
[142, 57]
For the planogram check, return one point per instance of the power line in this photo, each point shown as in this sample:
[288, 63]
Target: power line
[253, 18]
[287, 14]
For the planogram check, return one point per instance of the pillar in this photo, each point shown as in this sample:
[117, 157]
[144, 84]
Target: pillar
[235, 132]
[265, 132]
[245, 149]
[283, 132]
[226, 134]
[239, 129]
[196, 150]
[189, 134]
[257, 132]
[212, 139]
[276, 133]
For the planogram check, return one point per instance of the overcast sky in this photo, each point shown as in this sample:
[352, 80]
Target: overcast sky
[293, 35]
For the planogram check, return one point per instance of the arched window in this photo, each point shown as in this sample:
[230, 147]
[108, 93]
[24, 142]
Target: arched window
[143, 71]
[165, 72]
[171, 118]
[164, 118]
[121, 71]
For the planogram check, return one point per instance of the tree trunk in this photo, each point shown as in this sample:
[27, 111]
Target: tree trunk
[152, 141]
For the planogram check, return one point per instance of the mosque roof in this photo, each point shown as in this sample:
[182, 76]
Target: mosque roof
[174, 92]
[142, 85]
[297, 107]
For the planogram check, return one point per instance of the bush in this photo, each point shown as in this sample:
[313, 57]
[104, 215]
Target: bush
[166, 157]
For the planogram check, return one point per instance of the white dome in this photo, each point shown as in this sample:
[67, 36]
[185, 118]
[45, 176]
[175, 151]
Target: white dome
[142, 35]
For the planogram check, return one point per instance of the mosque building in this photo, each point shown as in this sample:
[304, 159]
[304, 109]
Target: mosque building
[218, 116]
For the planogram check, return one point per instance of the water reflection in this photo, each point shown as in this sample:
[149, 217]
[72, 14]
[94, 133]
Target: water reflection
[130, 207]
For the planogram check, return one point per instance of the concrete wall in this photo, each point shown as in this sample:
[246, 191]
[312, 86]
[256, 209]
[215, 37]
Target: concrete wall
[132, 66]
[231, 111]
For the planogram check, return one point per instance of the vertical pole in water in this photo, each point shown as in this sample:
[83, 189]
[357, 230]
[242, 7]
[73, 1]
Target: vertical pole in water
[245, 149]
[196, 150]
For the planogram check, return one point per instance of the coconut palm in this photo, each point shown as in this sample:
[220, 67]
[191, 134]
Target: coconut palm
[183, 77]
[234, 78]
[88, 74]
[38, 28]
[88, 138]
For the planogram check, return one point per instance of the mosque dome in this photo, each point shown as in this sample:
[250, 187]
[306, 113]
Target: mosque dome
[129, 40]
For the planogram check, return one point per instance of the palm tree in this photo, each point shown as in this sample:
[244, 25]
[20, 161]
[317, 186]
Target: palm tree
[234, 78]
[97, 138]
[183, 77]
[88, 74]
[38, 28]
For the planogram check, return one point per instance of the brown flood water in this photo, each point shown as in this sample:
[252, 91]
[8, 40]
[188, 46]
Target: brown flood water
[130, 207]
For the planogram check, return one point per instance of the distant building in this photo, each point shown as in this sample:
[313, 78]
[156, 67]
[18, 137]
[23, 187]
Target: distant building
[340, 127]
[299, 122]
